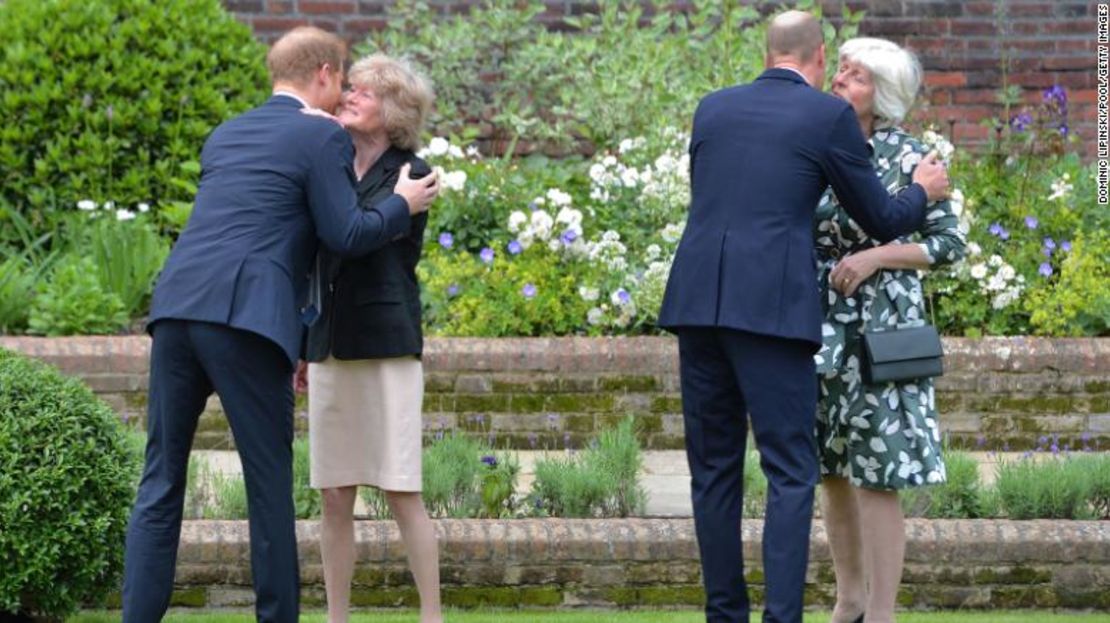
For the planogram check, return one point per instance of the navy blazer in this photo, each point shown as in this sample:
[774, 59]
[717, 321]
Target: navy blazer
[273, 181]
[761, 155]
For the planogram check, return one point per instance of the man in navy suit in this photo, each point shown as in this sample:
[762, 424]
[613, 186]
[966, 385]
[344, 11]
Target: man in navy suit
[227, 314]
[742, 297]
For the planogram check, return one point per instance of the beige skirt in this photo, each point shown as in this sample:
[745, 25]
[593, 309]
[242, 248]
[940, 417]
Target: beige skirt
[364, 423]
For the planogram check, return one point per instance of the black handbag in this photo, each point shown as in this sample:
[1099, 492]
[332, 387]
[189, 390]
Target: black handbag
[901, 353]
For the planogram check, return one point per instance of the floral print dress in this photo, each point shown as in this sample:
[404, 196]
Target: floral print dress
[882, 436]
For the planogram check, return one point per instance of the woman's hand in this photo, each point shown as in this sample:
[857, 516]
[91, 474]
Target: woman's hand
[850, 272]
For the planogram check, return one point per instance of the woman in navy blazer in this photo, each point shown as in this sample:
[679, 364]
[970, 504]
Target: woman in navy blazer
[365, 374]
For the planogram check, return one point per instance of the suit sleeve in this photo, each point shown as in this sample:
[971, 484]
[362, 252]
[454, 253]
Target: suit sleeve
[847, 165]
[340, 224]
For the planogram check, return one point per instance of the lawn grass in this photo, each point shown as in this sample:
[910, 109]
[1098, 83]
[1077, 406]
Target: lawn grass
[609, 616]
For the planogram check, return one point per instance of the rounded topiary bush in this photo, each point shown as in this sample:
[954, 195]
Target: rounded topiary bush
[110, 100]
[67, 478]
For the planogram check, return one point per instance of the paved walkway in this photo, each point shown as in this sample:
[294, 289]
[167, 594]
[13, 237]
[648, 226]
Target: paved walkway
[666, 476]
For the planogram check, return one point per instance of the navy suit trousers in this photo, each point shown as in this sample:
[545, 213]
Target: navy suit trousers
[252, 376]
[726, 376]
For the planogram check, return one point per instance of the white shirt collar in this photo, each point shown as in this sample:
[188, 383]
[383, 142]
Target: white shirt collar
[294, 96]
[797, 72]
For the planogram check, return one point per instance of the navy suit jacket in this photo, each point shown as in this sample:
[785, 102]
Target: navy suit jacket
[273, 182]
[761, 155]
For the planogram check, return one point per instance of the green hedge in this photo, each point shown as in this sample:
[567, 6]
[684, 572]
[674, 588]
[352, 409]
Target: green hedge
[67, 479]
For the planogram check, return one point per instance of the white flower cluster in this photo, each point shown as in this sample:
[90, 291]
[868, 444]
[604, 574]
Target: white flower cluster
[609, 251]
[936, 142]
[440, 147]
[121, 214]
[619, 312]
[994, 277]
[564, 231]
[665, 179]
[1061, 188]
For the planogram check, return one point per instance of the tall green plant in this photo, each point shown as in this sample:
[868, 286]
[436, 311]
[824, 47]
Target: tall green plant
[103, 99]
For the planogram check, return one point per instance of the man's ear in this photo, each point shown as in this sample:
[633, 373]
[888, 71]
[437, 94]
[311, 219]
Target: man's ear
[821, 56]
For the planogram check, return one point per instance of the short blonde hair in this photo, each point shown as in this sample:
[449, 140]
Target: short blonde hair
[301, 52]
[406, 96]
[895, 71]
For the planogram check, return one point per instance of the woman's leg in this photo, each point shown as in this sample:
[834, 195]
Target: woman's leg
[884, 549]
[337, 549]
[422, 547]
[841, 515]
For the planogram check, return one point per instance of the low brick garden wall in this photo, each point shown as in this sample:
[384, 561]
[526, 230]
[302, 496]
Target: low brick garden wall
[997, 392]
[559, 563]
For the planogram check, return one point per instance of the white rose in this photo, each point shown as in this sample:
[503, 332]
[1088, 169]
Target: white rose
[979, 271]
[1006, 272]
[438, 146]
[516, 220]
[455, 180]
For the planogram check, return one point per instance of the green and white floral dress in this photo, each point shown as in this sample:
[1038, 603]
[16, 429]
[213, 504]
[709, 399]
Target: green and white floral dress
[882, 436]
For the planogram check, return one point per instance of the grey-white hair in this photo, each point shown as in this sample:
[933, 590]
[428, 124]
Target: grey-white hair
[895, 71]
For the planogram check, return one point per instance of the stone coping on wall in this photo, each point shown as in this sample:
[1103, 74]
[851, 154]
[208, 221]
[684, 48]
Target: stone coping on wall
[90, 355]
[654, 563]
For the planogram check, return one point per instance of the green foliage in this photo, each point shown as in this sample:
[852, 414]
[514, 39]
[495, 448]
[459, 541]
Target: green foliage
[959, 497]
[127, 256]
[71, 301]
[229, 496]
[1079, 304]
[105, 99]
[615, 74]
[17, 289]
[601, 481]
[1097, 467]
[306, 500]
[67, 475]
[1053, 488]
[755, 485]
[452, 467]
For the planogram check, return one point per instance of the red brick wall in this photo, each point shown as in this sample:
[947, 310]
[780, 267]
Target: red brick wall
[960, 43]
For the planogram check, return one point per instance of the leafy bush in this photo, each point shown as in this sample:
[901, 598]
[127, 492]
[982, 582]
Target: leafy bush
[601, 481]
[71, 301]
[127, 255]
[67, 475]
[106, 99]
[1055, 488]
[614, 74]
[755, 485]
[306, 500]
[960, 496]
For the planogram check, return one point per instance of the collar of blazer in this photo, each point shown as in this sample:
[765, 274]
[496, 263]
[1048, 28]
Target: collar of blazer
[781, 73]
[284, 98]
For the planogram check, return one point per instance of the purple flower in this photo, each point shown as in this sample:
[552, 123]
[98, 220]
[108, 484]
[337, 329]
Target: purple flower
[1045, 270]
[1055, 94]
[1020, 122]
[1049, 243]
[1065, 246]
[1055, 448]
[528, 290]
[486, 255]
[1004, 234]
[552, 420]
[1006, 447]
[568, 237]
[1063, 129]
[515, 248]
[1085, 437]
[446, 240]
[1028, 454]
[1041, 441]
[1031, 222]
[1047, 252]
[490, 460]
[623, 296]
[452, 290]
[533, 206]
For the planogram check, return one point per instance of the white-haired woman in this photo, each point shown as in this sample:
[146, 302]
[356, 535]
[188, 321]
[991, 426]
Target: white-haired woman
[366, 380]
[877, 439]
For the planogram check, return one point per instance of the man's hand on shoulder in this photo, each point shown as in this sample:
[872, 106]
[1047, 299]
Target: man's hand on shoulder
[932, 175]
[419, 192]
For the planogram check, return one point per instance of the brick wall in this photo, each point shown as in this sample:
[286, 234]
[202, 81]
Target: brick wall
[960, 44]
[567, 563]
[553, 392]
